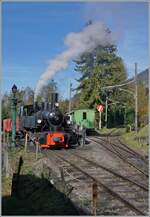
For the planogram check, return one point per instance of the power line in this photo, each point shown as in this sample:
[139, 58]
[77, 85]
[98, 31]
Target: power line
[118, 85]
[128, 91]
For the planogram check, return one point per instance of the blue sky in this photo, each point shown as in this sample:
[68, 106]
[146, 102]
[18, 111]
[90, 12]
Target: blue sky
[33, 33]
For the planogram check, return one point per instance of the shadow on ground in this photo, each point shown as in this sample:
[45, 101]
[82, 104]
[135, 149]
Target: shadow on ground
[36, 196]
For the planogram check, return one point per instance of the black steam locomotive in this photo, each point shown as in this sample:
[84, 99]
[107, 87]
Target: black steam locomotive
[46, 120]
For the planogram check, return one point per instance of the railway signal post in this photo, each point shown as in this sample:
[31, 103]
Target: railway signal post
[100, 108]
[106, 107]
[13, 108]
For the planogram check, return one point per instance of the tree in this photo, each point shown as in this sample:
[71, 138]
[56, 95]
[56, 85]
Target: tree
[99, 68]
[45, 94]
[142, 104]
[6, 106]
[27, 96]
[63, 104]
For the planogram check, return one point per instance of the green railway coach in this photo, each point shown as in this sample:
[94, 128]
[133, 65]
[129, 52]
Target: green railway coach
[83, 118]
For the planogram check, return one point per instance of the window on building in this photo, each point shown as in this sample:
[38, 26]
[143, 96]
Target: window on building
[84, 115]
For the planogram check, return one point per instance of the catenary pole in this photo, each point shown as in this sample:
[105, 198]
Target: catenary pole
[69, 109]
[136, 100]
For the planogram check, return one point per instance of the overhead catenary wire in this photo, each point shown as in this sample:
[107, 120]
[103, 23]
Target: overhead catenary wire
[117, 85]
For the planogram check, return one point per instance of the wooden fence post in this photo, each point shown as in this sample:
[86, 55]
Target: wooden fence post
[62, 174]
[5, 160]
[26, 141]
[7, 163]
[37, 149]
[4, 137]
[7, 138]
[94, 198]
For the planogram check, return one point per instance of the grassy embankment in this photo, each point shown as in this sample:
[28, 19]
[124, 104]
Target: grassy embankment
[36, 195]
[130, 138]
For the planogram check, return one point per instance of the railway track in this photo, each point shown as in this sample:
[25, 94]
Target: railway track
[118, 194]
[124, 195]
[125, 153]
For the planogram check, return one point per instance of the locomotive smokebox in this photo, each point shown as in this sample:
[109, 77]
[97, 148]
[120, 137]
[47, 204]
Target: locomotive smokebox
[55, 117]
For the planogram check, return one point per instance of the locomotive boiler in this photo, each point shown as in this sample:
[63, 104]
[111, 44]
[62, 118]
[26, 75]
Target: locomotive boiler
[48, 122]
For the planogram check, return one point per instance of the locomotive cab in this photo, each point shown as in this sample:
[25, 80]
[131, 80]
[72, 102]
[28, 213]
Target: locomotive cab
[27, 117]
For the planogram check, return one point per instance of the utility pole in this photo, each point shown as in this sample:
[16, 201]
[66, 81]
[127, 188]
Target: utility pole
[136, 100]
[106, 107]
[70, 85]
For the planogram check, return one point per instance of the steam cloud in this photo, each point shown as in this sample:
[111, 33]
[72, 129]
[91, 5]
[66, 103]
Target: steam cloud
[77, 43]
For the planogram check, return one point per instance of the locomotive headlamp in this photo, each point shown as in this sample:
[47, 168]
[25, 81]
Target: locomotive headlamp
[56, 104]
[39, 121]
[68, 122]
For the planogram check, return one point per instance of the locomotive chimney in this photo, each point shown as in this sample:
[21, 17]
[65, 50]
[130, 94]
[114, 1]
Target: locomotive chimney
[56, 97]
[35, 106]
[45, 106]
[42, 105]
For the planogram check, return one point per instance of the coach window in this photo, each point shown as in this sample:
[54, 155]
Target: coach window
[21, 111]
[84, 115]
[25, 112]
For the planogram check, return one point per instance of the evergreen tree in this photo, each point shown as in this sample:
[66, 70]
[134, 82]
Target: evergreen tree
[99, 68]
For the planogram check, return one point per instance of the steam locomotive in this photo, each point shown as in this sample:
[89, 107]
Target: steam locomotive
[48, 122]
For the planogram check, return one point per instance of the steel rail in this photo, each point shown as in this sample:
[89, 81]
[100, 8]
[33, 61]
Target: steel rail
[138, 154]
[127, 203]
[121, 157]
[125, 148]
[124, 145]
[134, 154]
[111, 171]
[116, 152]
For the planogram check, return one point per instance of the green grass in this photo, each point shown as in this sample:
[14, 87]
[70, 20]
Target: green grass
[36, 195]
[112, 131]
[6, 186]
[143, 131]
[129, 137]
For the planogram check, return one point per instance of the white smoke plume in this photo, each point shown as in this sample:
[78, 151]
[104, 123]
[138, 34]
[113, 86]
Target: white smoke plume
[77, 43]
